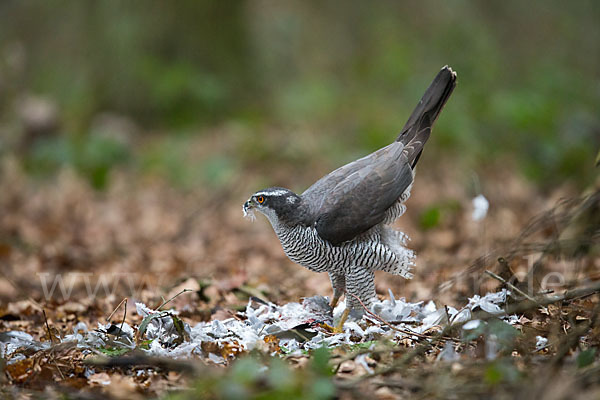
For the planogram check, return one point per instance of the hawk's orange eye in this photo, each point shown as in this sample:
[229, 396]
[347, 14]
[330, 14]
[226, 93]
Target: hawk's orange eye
[260, 199]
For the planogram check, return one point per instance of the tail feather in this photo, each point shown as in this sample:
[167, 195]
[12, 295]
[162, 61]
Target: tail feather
[417, 129]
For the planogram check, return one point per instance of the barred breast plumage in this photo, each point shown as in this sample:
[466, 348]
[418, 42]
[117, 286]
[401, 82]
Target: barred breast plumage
[379, 249]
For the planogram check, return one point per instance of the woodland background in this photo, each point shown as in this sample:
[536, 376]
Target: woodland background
[131, 133]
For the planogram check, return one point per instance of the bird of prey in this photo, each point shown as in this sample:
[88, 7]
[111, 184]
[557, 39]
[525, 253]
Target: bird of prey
[339, 225]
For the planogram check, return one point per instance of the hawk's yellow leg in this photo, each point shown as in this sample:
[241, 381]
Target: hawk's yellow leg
[340, 326]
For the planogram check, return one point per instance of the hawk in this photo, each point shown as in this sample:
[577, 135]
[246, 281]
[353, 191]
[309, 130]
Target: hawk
[340, 225]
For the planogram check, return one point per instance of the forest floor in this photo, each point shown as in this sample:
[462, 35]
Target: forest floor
[85, 275]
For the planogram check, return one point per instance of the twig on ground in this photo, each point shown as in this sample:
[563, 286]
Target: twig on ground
[404, 331]
[172, 298]
[447, 313]
[115, 310]
[47, 326]
[58, 368]
[542, 301]
[124, 315]
[510, 285]
[572, 294]
[124, 301]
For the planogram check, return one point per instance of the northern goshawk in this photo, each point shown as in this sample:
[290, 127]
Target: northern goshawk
[339, 225]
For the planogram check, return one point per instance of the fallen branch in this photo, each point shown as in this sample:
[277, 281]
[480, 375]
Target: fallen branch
[542, 301]
[141, 360]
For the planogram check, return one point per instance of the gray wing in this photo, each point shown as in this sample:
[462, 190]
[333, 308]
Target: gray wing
[355, 197]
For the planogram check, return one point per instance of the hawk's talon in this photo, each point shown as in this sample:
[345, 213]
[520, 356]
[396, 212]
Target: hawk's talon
[339, 328]
[327, 327]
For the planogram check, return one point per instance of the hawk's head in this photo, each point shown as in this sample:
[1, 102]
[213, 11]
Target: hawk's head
[277, 204]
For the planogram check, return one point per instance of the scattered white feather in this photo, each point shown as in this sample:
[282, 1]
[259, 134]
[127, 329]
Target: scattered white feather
[361, 360]
[491, 347]
[490, 302]
[474, 324]
[448, 354]
[259, 320]
[541, 342]
[12, 340]
[480, 207]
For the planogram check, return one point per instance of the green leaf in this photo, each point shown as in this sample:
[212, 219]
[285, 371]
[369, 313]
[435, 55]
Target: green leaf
[280, 375]
[147, 319]
[365, 345]
[472, 334]
[504, 332]
[246, 370]
[493, 374]
[430, 218]
[322, 388]
[115, 351]
[145, 344]
[180, 328]
[320, 361]
[586, 357]
[501, 371]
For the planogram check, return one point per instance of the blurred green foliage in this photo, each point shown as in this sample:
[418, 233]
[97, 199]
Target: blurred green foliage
[497, 336]
[586, 357]
[529, 80]
[92, 156]
[496, 330]
[501, 371]
[250, 378]
[437, 213]
[430, 218]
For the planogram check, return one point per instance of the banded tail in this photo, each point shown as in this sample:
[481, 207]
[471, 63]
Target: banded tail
[417, 129]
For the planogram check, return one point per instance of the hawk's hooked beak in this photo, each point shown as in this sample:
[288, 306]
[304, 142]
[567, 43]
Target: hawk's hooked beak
[249, 209]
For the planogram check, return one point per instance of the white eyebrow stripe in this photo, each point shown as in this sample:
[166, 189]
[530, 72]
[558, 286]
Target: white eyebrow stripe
[278, 192]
